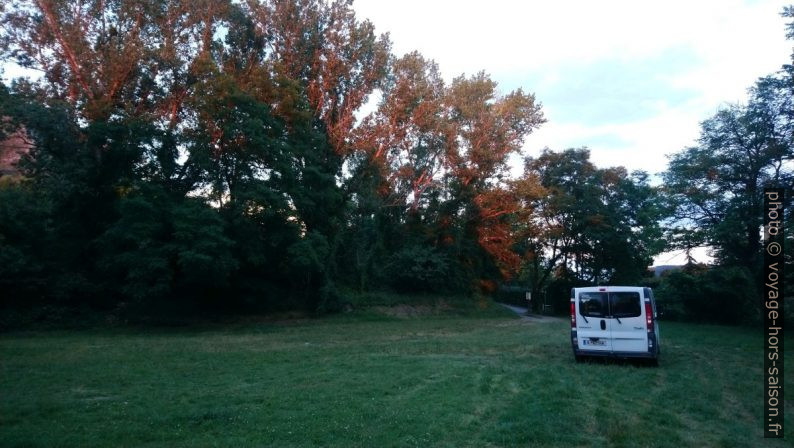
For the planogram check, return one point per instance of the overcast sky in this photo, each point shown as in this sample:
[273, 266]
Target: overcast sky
[631, 80]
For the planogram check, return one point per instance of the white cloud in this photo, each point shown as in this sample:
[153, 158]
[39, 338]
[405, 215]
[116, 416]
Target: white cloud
[502, 35]
[11, 71]
[678, 257]
[733, 43]
[644, 144]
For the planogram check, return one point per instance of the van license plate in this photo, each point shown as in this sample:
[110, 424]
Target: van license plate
[599, 342]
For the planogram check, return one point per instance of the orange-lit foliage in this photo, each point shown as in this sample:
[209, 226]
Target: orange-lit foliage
[94, 53]
[407, 137]
[340, 58]
[494, 230]
[425, 134]
[438, 152]
[489, 127]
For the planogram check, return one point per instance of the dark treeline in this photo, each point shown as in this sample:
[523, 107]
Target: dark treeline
[215, 155]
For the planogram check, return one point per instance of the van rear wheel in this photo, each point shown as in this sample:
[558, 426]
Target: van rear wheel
[579, 358]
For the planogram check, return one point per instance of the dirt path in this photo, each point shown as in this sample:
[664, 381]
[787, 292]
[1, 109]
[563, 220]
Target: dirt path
[530, 317]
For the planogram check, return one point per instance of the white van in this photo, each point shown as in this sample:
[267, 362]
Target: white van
[618, 321]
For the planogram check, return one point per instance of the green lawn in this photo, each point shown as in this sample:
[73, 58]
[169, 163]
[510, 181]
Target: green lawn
[364, 380]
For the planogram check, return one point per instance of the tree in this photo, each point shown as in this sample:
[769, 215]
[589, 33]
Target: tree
[488, 129]
[212, 150]
[337, 58]
[715, 193]
[589, 224]
[107, 56]
[406, 139]
[717, 186]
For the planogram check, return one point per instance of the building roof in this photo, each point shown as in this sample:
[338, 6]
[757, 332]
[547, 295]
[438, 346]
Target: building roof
[12, 149]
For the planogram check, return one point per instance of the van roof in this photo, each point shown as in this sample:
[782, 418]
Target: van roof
[608, 288]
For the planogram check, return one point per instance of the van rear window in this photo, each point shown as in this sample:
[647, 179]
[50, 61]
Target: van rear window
[625, 304]
[593, 304]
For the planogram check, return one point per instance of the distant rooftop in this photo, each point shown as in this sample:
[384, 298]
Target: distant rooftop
[659, 270]
[12, 149]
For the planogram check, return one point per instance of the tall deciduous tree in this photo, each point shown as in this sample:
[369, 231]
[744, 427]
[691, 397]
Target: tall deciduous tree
[107, 56]
[337, 57]
[406, 140]
[716, 187]
[599, 225]
[244, 115]
[488, 129]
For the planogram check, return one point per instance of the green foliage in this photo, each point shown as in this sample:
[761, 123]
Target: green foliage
[715, 193]
[716, 187]
[181, 165]
[136, 256]
[593, 225]
[174, 164]
[160, 248]
[202, 251]
[721, 294]
[308, 255]
[715, 190]
[558, 293]
[24, 238]
[417, 269]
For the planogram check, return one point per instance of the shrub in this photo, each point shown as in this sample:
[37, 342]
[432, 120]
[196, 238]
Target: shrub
[417, 269]
[724, 295]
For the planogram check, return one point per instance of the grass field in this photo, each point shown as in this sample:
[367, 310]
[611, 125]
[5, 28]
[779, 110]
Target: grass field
[377, 380]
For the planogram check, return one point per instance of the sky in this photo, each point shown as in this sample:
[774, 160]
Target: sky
[630, 80]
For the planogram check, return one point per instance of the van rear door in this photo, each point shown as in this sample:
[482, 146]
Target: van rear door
[629, 332]
[592, 323]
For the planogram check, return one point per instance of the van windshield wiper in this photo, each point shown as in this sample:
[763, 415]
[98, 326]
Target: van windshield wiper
[585, 319]
[616, 317]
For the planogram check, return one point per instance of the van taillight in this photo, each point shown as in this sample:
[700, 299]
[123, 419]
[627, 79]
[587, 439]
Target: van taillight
[573, 314]
[649, 316]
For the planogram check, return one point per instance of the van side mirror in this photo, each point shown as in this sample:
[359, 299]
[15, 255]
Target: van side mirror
[659, 310]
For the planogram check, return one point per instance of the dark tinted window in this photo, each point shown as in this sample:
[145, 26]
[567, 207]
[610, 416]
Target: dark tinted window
[625, 304]
[593, 304]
